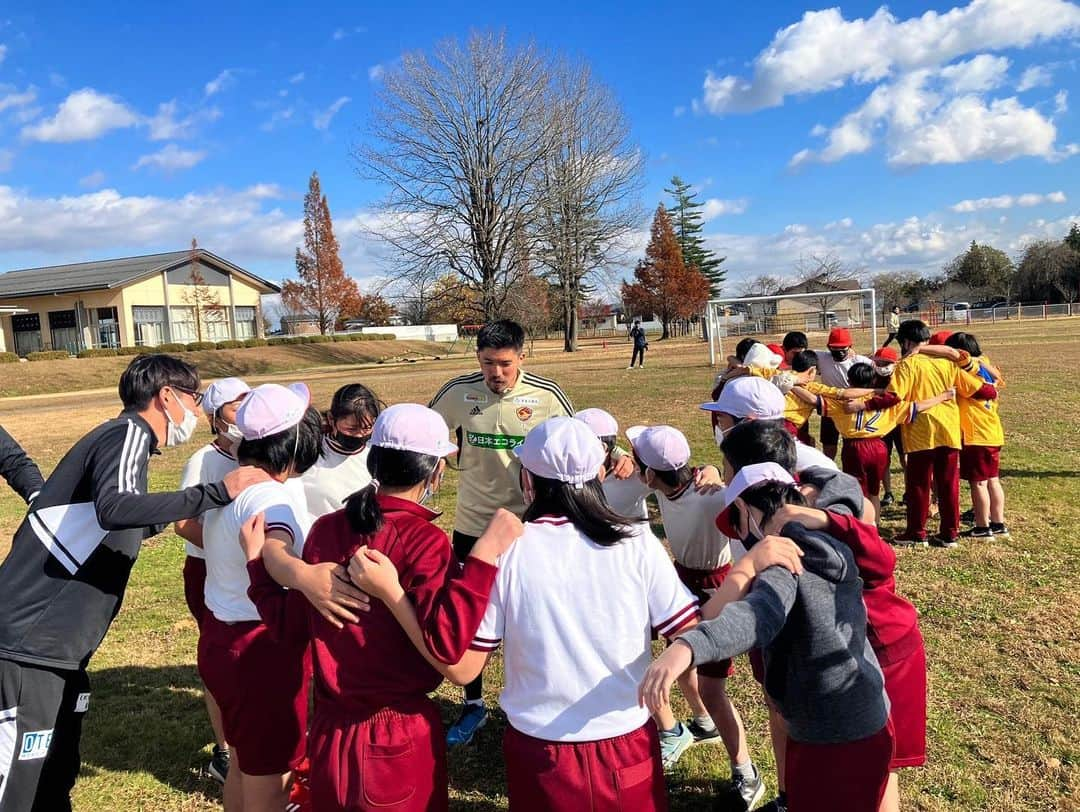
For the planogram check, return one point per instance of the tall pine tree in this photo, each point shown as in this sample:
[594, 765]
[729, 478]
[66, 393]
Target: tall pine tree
[687, 221]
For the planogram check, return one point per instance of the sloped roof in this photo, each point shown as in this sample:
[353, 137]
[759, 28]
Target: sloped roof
[820, 285]
[105, 274]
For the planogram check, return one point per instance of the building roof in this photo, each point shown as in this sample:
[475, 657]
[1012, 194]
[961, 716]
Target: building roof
[819, 285]
[105, 274]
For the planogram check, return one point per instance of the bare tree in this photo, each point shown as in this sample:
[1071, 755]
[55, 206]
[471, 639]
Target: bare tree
[204, 301]
[763, 285]
[589, 183]
[825, 275]
[458, 138]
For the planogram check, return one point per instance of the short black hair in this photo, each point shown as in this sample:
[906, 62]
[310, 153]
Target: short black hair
[677, 478]
[298, 446]
[861, 375]
[966, 342]
[804, 360]
[896, 307]
[584, 506]
[769, 497]
[754, 441]
[355, 400]
[393, 468]
[914, 331]
[795, 340]
[743, 347]
[147, 375]
[503, 334]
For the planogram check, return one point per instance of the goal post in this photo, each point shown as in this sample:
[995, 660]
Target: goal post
[761, 315]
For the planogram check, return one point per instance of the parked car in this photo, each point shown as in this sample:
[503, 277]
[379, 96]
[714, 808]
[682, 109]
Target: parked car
[956, 311]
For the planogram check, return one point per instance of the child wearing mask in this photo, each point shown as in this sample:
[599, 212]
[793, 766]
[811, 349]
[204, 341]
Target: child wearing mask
[885, 359]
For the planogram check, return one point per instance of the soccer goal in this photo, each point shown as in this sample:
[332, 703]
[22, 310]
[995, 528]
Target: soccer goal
[762, 316]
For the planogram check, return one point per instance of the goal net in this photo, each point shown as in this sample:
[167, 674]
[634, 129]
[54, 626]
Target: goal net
[768, 318]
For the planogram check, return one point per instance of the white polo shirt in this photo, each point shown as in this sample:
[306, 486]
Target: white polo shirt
[834, 373]
[334, 477]
[626, 496]
[208, 464]
[227, 579]
[690, 528]
[808, 457]
[576, 621]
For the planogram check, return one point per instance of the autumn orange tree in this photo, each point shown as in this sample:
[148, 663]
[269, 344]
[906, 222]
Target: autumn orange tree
[323, 289]
[663, 284]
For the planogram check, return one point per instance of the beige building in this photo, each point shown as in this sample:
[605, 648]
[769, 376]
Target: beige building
[833, 306]
[134, 301]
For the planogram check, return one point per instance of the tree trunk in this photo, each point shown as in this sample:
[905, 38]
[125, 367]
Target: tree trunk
[666, 328]
[570, 327]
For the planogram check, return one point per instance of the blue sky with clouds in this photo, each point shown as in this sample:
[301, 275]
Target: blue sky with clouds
[892, 137]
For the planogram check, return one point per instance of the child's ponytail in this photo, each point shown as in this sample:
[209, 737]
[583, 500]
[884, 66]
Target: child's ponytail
[362, 510]
[394, 469]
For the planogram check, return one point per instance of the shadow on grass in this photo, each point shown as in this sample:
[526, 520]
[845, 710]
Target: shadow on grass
[152, 720]
[1015, 472]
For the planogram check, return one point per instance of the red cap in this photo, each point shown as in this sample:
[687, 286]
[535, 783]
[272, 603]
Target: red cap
[886, 354]
[776, 349]
[724, 525]
[939, 338]
[839, 337]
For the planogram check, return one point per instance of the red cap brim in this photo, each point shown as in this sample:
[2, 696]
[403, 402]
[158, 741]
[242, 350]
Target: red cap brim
[723, 524]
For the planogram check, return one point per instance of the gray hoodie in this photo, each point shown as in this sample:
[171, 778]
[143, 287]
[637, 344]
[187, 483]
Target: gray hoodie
[819, 667]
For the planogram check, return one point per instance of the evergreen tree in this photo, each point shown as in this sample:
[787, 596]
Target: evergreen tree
[1073, 238]
[686, 219]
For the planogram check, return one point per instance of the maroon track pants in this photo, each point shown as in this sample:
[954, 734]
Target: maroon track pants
[941, 466]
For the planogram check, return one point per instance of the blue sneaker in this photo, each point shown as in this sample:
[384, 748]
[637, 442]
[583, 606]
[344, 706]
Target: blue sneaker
[473, 717]
[673, 745]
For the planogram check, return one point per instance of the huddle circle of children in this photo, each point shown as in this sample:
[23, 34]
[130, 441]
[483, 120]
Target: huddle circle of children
[314, 565]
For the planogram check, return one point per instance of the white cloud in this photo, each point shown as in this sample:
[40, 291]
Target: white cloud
[340, 34]
[220, 82]
[9, 99]
[1008, 201]
[296, 78]
[165, 126]
[276, 118]
[1061, 102]
[845, 222]
[818, 130]
[679, 111]
[375, 73]
[983, 72]
[93, 180]
[83, 116]
[170, 159]
[714, 207]
[7, 158]
[322, 120]
[1035, 76]
[824, 51]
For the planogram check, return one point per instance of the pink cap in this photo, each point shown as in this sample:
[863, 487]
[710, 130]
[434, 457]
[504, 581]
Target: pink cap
[563, 449]
[412, 427]
[602, 423]
[272, 408]
[661, 448]
[221, 392]
[746, 478]
[748, 396]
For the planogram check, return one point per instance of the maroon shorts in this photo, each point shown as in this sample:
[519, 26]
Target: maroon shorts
[697, 581]
[260, 684]
[194, 587]
[905, 684]
[866, 459]
[979, 463]
[830, 777]
[804, 436]
[394, 759]
[623, 773]
[829, 434]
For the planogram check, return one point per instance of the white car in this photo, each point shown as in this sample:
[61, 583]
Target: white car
[957, 311]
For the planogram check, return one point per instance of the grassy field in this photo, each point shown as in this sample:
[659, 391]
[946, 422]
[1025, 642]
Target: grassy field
[1001, 618]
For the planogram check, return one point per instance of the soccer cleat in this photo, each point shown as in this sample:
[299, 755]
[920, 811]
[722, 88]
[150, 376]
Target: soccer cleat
[978, 533]
[673, 745]
[219, 765]
[999, 529]
[943, 542]
[473, 717]
[908, 540]
[702, 734]
[750, 791]
[887, 499]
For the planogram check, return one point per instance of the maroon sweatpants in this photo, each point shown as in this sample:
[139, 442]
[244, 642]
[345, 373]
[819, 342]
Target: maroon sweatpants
[866, 459]
[393, 760]
[942, 466]
[622, 774]
[833, 777]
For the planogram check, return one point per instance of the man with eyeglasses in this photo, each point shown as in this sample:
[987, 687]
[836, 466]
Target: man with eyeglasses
[65, 577]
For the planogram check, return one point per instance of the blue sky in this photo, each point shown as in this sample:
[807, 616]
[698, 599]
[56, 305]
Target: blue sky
[891, 137]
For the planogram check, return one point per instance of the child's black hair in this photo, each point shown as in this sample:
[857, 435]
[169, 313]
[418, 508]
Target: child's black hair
[677, 478]
[743, 347]
[795, 340]
[755, 441]
[355, 400]
[804, 360]
[501, 335]
[147, 375]
[914, 331]
[966, 342]
[861, 375]
[391, 468]
[768, 497]
[298, 447]
[585, 507]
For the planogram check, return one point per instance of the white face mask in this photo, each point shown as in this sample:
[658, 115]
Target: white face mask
[719, 434]
[180, 433]
[233, 432]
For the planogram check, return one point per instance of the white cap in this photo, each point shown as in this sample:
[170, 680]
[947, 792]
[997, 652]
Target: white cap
[751, 475]
[563, 449]
[761, 356]
[221, 392]
[661, 448]
[412, 427]
[602, 423]
[272, 408]
[748, 396]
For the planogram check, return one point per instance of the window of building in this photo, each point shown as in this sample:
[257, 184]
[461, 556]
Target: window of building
[182, 323]
[149, 325]
[106, 327]
[27, 329]
[63, 330]
[247, 325]
[216, 324]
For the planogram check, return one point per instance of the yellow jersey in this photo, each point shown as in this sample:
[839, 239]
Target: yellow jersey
[920, 377]
[798, 411]
[868, 422]
[980, 423]
[489, 427]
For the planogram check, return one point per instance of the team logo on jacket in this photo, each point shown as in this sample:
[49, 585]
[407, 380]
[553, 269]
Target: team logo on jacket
[524, 414]
[472, 397]
[35, 745]
[475, 410]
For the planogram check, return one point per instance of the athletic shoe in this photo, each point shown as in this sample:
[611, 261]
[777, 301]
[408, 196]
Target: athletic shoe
[905, 540]
[775, 805]
[944, 543]
[473, 717]
[751, 790]
[999, 529]
[887, 499]
[702, 734]
[219, 765]
[673, 745]
[968, 516]
[978, 533]
[630, 367]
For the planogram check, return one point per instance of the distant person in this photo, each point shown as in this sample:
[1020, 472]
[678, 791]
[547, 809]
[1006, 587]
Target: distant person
[894, 325]
[21, 472]
[65, 577]
[640, 345]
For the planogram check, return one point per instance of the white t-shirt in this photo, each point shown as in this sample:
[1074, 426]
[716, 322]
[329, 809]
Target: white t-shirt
[834, 373]
[576, 622]
[333, 478]
[807, 457]
[626, 496]
[208, 464]
[227, 579]
[691, 531]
